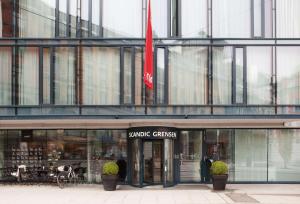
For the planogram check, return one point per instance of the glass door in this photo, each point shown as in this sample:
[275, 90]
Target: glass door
[148, 163]
[168, 162]
[135, 165]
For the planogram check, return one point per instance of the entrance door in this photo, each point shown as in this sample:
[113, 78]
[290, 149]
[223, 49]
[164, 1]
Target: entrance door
[153, 162]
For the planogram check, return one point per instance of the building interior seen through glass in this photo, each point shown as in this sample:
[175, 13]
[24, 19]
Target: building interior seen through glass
[45, 149]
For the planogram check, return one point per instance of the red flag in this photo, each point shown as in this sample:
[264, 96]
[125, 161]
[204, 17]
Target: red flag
[148, 66]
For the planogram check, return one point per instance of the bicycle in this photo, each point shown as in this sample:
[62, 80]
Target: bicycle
[67, 174]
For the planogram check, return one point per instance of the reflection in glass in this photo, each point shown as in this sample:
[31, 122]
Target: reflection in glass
[194, 18]
[284, 151]
[160, 75]
[95, 17]
[159, 18]
[37, 18]
[187, 75]
[127, 76]
[138, 76]
[231, 18]
[46, 75]
[288, 75]
[63, 18]
[239, 75]
[122, 18]
[222, 75]
[250, 155]
[28, 76]
[259, 73]
[105, 145]
[6, 19]
[135, 168]
[64, 83]
[169, 161]
[84, 18]
[288, 18]
[73, 17]
[101, 75]
[5, 75]
[190, 155]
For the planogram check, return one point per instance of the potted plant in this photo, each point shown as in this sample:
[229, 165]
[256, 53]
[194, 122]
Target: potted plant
[110, 175]
[219, 172]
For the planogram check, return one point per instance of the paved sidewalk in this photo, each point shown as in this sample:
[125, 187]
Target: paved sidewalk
[180, 194]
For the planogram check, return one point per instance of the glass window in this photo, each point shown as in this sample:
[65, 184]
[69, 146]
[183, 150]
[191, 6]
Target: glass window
[250, 156]
[37, 18]
[288, 18]
[231, 18]
[46, 75]
[5, 76]
[187, 75]
[138, 76]
[259, 74]
[239, 75]
[28, 76]
[73, 17]
[84, 18]
[122, 18]
[194, 18]
[159, 18]
[95, 17]
[288, 75]
[257, 15]
[63, 18]
[160, 75]
[6, 19]
[284, 155]
[104, 145]
[222, 75]
[219, 146]
[127, 76]
[64, 83]
[101, 76]
[190, 156]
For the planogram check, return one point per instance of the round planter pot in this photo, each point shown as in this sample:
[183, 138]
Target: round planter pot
[219, 181]
[109, 182]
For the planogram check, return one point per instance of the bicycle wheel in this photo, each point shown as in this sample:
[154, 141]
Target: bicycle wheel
[61, 179]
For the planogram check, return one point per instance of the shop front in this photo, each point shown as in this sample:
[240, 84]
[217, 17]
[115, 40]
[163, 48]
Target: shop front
[155, 155]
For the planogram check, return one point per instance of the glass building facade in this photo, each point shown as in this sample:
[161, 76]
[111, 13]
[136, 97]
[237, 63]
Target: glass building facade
[226, 75]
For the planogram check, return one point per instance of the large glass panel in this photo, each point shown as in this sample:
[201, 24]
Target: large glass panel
[6, 18]
[64, 84]
[28, 76]
[122, 18]
[73, 17]
[135, 166]
[169, 161]
[95, 17]
[63, 18]
[84, 18]
[288, 75]
[138, 76]
[250, 156]
[5, 76]
[188, 75]
[127, 76]
[160, 75]
[219, 145]
[46, 75]
[159, 18]
[107, 145]
[101, 75]
[68, 147]
[239, 75]
[231, 18]
[284, 155]
[257, 15]
[190, 156]
[194, 18]
[259, 74]
[288, 18]
[37, 18]
[148, 162]
[222, 75]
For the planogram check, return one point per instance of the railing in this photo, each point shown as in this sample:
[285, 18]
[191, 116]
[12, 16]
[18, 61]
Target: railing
[118, 111]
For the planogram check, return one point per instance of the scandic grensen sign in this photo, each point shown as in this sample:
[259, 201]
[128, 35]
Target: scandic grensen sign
[159, 133]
